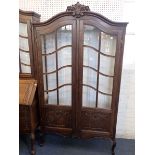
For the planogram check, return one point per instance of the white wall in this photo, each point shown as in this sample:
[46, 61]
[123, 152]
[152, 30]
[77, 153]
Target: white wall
[117, 10]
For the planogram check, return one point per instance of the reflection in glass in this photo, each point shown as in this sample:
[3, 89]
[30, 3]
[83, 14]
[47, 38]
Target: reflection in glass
[48, 43]
[64, 76]
[105, 84]
[23, 44]
[24, 58]
[90, 57]
[91, 36]
[25, 69]
[65, 95]
[108, 44]
[64, 36]
[51, 78]
[23, 29]
[104, 101]
[107, 65]
[88, 97]
[64, 57]
[89, 77]
[52, 97]
[51, 63]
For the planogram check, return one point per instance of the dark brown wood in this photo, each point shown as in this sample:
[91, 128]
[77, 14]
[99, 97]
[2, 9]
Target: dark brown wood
[76, 119]
[57, 77]
[28, 110]
[45, 58]
[98, 68]
[28, 17]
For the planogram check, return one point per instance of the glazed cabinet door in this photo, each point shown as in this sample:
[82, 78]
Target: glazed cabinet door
[26, 62]
[24, 51]
[56, 75]
[98, 46]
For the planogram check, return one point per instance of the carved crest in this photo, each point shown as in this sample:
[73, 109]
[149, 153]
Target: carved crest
[77, 9]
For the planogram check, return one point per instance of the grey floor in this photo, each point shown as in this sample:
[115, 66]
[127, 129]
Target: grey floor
[59, 145]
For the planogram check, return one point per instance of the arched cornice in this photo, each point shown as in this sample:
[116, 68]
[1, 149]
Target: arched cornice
[78, 11]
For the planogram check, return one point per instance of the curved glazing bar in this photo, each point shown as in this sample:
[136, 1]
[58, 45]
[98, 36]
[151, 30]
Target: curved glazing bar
[56, 50]
[50, 90]
[58, 69]
[97, 71]
[96, 90]
[98, 51]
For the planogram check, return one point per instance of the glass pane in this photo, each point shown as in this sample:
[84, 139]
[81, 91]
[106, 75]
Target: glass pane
[23, 44]
[88, 97]
[51, 81]
[105, 84]
[64, 36]
[104, 101]
[89, 77]
[65, 95]
[48, 43]
[64, 76]
[23, 29]
[51, 63]
[64, 57]
[91, 36]
[52, 97]
[108, 44]
[90, 58]
[25, 58]
[107, 65]
[25, 69]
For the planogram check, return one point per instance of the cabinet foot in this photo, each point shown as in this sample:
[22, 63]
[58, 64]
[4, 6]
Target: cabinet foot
[32, 143]
[41, 137]
[113, 147]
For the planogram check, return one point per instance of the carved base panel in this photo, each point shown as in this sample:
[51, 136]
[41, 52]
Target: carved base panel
[57, 116]
[95, 120]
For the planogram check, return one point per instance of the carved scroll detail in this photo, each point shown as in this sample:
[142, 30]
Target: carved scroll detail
[77, 9]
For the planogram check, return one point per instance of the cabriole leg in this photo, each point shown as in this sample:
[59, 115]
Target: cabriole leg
[113, 146]
[41, 137]
[32, 143]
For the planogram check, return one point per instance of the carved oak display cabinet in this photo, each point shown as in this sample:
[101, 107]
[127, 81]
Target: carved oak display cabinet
[78, 57]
